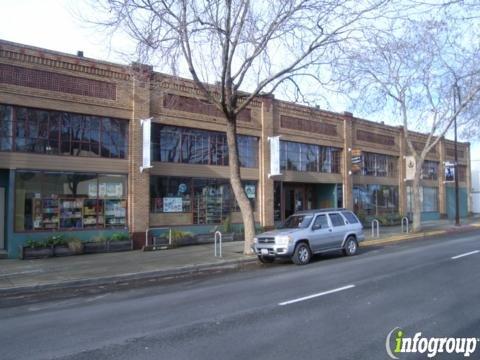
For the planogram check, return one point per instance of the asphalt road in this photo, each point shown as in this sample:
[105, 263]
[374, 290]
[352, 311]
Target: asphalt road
[334, 308]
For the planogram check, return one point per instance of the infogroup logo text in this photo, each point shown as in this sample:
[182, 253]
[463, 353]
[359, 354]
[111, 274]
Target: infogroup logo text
[430, 346]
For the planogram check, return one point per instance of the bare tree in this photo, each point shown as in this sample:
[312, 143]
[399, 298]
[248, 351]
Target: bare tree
[410, 71]
[238, 45]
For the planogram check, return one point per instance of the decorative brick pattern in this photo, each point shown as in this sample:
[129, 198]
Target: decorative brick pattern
[451, 152]
[419, 146]
[289, 122]
[375, 138]
[39, 79]
[193, 105]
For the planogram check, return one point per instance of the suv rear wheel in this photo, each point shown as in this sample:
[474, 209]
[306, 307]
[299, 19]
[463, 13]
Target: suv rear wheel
[302, 254]
[350, 248]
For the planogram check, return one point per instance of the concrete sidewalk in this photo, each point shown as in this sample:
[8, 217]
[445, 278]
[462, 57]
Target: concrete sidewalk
[28, 276]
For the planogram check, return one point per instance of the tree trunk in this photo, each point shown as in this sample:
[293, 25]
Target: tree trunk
[417, 203]
[238, 190]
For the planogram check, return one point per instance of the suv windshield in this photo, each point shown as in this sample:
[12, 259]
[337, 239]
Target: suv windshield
[297, 221]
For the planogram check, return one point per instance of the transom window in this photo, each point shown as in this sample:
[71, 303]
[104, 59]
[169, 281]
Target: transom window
[379, 165]
[38, 131]
[195, 146]
[309, 157]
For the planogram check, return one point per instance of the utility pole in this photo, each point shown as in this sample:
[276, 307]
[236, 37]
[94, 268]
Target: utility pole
[456, 95]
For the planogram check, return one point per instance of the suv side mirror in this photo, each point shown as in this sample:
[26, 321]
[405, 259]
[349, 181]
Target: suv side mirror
[316, 226]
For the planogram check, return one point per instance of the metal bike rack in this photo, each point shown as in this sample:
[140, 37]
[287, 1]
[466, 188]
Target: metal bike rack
[406, 222]
[159, 228]
[218, 237]
[375, 225]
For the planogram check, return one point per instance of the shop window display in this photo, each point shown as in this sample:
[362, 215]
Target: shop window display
[63, 201]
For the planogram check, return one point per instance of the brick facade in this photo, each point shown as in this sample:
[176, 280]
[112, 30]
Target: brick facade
[45, 79]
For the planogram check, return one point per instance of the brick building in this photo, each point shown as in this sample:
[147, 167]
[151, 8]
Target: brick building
[71, 149]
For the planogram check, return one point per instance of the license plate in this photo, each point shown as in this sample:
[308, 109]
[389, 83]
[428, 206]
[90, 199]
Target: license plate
[264, 251]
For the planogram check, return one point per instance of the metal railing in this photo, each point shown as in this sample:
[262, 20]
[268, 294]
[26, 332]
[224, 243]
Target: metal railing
[218, 237]
[406, 222]
[159, 228]
[375, 225]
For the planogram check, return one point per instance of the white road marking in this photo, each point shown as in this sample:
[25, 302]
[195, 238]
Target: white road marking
[316, 295]
[466, 254]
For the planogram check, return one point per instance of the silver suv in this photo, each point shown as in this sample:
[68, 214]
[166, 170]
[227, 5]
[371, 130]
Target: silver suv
[311, 232]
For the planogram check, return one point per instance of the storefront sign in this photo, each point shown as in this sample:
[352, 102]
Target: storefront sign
[356, 161]
[146, 130]
[410, 166]
[274, 156]
[449, 172]
[250, 191]
[172, 204]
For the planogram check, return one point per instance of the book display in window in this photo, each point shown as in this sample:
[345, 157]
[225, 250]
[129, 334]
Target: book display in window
[45, 214]
[71, 213]
[115, 212]
[93, 213]
[208, 207]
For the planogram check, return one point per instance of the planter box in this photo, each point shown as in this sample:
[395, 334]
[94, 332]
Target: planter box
[36, 253]
[123, 245]
[62, 250]
[94, 248]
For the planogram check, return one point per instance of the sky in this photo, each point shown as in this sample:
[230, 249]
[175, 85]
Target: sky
[54, 25]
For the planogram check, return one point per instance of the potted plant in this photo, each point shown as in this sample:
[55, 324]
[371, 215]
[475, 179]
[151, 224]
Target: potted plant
[36, 249]
[119, 242]
[98, 244]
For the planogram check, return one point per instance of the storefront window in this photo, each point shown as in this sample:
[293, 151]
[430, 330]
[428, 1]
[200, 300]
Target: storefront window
[194, 146]
[379, 165]
[60, 133]
[170, 194]
[428, 198]
[308, 157]
[209, 200]
[58, 201]
[373, 199]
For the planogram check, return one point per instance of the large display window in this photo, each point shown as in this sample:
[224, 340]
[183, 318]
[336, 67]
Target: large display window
[373, 199]
[428, 198]
[62, 201]
[209, 201]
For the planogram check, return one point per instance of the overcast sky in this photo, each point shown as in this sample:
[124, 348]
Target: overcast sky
[51, 24]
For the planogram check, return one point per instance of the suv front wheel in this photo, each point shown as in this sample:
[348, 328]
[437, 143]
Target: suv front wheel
[350, 247]
[302, 254]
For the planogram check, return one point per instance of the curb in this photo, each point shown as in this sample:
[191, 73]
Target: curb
[422, 235]
[124, 279]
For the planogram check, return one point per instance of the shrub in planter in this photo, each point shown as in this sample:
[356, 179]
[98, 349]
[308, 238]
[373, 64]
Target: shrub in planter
[59, 245]
[98, 244]
[180, 238]
[75, 246]
[36, 249]
[120, 242]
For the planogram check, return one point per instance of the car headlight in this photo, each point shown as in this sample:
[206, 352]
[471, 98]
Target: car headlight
[283, 240]
[255, 241]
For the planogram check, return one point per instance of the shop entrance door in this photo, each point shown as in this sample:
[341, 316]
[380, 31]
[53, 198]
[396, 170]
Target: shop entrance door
[2, 218]
[294, 199]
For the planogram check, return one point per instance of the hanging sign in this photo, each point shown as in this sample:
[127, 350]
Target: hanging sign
[410, 165]
[274, 155]
[449, 172]
[356, 161]
[146, 130]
